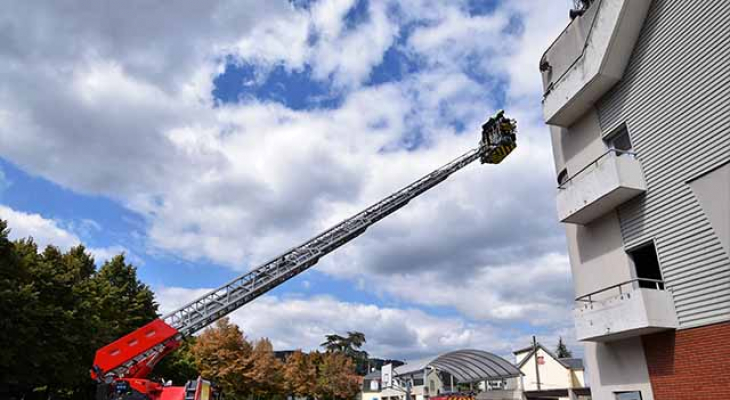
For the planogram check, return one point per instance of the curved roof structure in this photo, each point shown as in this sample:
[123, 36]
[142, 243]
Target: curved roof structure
[466, 366]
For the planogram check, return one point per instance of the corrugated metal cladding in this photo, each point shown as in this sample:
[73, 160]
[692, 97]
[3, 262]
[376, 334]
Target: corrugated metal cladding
[675, 101]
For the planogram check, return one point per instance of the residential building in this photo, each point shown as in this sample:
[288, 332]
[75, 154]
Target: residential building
[371, 386]
[448, 373]
[544, 375]
[637, 96]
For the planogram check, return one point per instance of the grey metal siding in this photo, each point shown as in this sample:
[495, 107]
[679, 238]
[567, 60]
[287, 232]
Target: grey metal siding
[675, 100]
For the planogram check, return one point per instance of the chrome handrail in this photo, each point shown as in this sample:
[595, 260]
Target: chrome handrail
[609, 151]
[587, 297]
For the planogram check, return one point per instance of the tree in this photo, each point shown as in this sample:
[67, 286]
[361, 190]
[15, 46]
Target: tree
[334, 343]
[562, 350]
[17, 326]
[300, 375]
[336, 378]
[223, 354]
[125, 303]
[178, 366]
[350, 346]
[266, 370]
[57, 310]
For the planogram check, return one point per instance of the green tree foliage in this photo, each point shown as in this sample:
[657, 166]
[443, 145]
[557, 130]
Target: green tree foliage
[349, 346]
[178, 366]
[57, 310]
[562, 350]
[124, 302]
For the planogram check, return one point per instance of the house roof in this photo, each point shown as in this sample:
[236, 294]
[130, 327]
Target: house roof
[522, 350]
[570, 363]
[573, 363]
[465, 365]
[373, 375]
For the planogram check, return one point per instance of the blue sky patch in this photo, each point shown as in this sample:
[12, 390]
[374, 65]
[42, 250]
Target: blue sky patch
[294, 89]
[357, 15]
[481, 7]
[396, 65]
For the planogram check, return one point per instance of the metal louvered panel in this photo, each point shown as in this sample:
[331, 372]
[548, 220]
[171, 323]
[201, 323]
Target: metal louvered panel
[675, 100]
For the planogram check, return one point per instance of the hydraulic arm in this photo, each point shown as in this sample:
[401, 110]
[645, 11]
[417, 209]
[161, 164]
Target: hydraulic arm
[133, 356]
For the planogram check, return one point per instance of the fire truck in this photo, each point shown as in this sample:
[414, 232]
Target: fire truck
[121, 367]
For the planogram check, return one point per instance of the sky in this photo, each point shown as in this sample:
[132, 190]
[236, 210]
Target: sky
[203, 139]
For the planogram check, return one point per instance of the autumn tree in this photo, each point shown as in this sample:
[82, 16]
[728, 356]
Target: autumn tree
[266, 370]
[223, 354]
[336, 378]
[300, 375]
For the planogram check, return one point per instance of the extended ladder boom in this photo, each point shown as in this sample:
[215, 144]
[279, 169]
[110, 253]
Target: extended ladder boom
[242, 290]
[498, 140]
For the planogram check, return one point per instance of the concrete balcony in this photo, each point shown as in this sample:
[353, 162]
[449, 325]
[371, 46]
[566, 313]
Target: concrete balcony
[589, 57]
[630, 309]
[609, 181]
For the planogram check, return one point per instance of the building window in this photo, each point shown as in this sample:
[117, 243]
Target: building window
[562, 176]
[619, 140]
[646, 264]
[628, 396]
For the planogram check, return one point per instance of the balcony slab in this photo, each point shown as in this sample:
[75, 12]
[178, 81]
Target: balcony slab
[637, 312]
[602, 186]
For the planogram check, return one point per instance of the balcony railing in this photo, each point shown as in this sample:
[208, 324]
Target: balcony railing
[642, 283]
[594, 163]
[599, 187]
[589, 57]
[628, 309]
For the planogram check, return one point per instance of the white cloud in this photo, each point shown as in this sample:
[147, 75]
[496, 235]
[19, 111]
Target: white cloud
[130, 116]
[43, 231]
[404, 333]
[49, 232]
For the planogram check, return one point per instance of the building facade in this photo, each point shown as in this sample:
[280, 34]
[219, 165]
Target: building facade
[542, 370]
[637, 97]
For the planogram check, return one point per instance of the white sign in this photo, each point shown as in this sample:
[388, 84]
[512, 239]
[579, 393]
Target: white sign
[386, 376]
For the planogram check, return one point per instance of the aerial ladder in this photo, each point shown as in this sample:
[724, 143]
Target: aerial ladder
[120, 368]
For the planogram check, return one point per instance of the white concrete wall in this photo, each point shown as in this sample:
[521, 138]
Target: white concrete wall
[370, 395]
[582, 143]
[553, 375]
[521, 356]
[607, 47]
[622, 368]
[597, 255]
[579, 379]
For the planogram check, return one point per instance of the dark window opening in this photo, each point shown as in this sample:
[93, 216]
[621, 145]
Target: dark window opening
[646, 264]
[619, 140]
[628, 396]
[563, 176]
